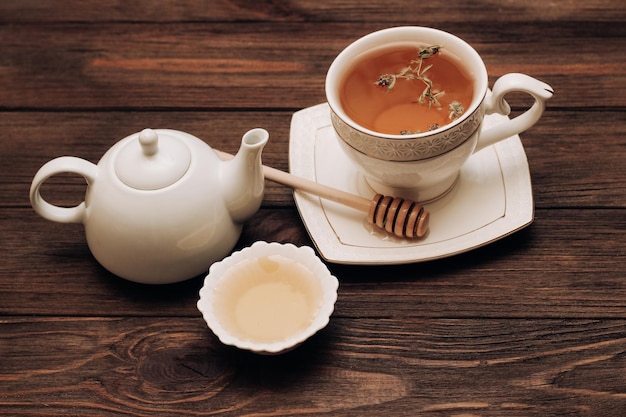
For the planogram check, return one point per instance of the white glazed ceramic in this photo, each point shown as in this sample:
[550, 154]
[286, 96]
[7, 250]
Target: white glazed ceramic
[425, 166]
[160, 205]
[210, 293]
[491, 199]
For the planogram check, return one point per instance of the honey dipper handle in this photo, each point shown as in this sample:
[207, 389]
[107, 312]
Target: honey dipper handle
[320, 190]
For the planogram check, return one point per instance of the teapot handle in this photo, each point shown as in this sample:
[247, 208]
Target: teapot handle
[59, 165]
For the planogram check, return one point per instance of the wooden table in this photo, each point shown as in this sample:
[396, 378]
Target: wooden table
[534, 324]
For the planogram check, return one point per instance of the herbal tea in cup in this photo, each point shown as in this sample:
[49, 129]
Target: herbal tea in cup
[407, 104]
[415, 89]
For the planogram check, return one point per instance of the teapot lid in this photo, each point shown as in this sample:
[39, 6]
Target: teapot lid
[152, 160]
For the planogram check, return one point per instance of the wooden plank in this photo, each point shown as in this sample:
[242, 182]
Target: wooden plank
[558, 150]
[393, 11]
[565, 265]
[270, 65]
[563, 171]
[175, 366]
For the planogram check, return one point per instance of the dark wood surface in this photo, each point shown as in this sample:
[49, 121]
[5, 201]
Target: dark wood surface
[534, 324]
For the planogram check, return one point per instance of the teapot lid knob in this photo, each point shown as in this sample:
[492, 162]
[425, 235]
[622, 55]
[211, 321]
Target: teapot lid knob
[149, 141]
[161, 159]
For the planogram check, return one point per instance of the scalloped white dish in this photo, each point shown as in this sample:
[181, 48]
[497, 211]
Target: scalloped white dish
[491, 199]
[268, 297]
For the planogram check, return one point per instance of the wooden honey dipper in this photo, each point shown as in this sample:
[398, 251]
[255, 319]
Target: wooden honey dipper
[403, 218]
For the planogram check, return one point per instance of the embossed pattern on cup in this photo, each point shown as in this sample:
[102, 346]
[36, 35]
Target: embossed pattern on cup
[410, 148]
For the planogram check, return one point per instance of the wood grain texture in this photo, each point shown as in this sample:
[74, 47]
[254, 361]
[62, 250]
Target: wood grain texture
[211, 65]
[550, 270]
[171, 367]
[393, 11]
[558, 150]
[531, 325]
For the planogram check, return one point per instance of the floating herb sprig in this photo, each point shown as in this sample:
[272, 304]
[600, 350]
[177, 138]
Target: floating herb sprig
[416, 70]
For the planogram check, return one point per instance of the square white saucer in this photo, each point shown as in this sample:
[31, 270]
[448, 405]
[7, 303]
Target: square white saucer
[491, 199]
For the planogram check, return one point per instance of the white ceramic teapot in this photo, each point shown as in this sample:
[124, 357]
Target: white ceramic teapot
[161, 206]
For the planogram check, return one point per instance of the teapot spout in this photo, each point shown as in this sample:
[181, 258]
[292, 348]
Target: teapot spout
[243, 183]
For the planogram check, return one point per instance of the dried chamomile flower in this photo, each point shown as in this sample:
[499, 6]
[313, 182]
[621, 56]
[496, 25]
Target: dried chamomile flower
[456, 110]
[386, 80]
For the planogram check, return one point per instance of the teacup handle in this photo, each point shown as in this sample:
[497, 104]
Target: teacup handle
[63, 164]
[495, 103]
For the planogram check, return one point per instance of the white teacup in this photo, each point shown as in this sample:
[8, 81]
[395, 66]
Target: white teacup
[425, 166]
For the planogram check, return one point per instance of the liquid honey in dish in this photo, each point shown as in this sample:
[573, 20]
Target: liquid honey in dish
[268, 299]
[398, 110]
